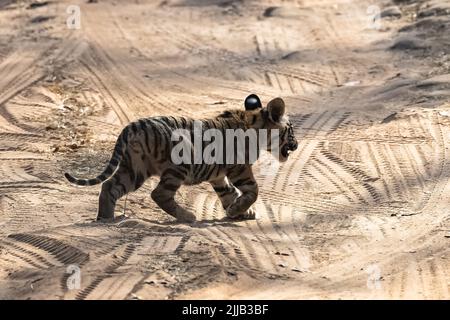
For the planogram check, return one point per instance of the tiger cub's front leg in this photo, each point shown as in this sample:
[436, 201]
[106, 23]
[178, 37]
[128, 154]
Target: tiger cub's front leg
[243, 179]
[164, 195]
[226, 192]
[238, 204]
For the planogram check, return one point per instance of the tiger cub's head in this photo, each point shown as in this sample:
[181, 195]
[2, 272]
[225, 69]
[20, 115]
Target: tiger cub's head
[272, 117]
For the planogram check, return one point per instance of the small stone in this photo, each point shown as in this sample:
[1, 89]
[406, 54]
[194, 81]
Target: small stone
[52, 126]
[440, 80]
[391, 12]
[408, 43]
[40, 19]
[283, 12]
[351, 83]
[136, 297]
[435, 9]
[37, 4]
[389, 118]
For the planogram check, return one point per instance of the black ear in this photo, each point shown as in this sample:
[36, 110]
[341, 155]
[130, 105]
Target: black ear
[276, 109]
[252, 102]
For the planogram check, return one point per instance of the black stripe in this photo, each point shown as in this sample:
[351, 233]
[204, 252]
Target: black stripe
[229, 126]
[185, 167]
[174, 173]
[125, 135]
[184, 171]
[147, 141]
[134, 127]
[175, 120]
[183, 122]
[197, 169]
[114, 162]
[212, 168]
[92, 182]
[161, 120]
[157, 141]
[142, 124]
[108, 170]
[203, 169]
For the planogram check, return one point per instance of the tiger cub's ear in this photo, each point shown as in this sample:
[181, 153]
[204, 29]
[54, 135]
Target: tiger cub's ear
[276, 109]
[252, 102]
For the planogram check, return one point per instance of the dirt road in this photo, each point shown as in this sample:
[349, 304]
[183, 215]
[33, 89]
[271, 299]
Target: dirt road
[361, 210]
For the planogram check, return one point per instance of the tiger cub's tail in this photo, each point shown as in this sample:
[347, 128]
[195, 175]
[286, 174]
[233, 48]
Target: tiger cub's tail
[114, 162]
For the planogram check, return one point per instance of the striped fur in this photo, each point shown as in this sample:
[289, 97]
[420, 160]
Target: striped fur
[144, 147]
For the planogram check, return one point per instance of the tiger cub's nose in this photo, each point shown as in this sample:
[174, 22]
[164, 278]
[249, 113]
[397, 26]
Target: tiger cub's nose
[293, 145]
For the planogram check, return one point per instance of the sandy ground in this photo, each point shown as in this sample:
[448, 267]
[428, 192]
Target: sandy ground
[361, 210]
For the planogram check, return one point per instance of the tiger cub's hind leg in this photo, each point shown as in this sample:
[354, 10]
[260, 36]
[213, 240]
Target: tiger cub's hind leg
[164, 195]
[123, 181]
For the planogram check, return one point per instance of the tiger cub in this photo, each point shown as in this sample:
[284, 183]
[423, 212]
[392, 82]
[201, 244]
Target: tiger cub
[145, 148]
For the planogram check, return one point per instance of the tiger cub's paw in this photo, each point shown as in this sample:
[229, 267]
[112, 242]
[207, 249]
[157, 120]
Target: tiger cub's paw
[249, 214]
[183, 215]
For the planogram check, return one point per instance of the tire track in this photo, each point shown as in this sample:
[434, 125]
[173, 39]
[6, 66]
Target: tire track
[336, 165]
[64, 253]
[31, 254]
[185, 41]
[97, 283]
[388, 173]
[157, 101]
[226, 246]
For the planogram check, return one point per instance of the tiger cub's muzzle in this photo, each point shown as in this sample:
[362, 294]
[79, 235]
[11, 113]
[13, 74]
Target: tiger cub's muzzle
[289, 147]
